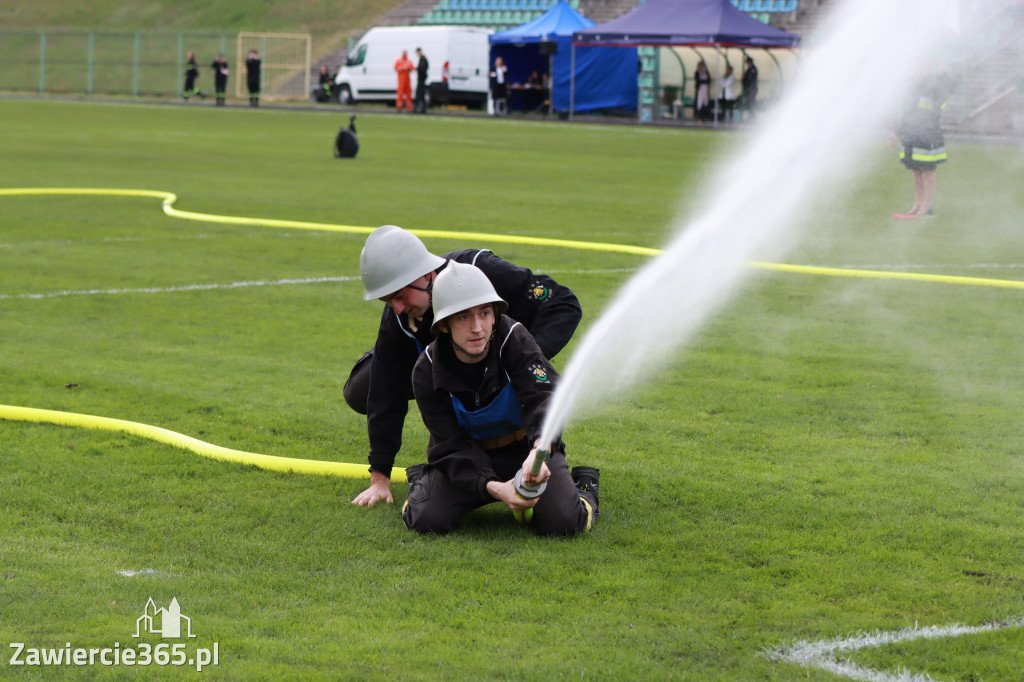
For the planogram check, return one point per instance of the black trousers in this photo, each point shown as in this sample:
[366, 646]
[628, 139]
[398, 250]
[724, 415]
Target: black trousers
[357, 386]
[420, 103]
[438, 506]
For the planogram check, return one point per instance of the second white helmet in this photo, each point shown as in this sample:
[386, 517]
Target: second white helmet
[461, 286]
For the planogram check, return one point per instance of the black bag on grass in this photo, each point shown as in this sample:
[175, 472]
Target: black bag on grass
[346, 145]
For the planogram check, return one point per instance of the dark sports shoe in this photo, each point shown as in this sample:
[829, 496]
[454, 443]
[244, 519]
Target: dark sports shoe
[586, 478]
[413, 474]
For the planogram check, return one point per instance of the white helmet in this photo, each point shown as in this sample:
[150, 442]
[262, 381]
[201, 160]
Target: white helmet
[393, 258]
[461, 286]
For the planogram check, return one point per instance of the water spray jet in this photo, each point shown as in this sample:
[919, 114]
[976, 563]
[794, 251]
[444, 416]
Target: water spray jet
[842, 98]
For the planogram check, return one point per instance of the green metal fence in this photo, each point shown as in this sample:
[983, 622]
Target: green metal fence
[107, 62]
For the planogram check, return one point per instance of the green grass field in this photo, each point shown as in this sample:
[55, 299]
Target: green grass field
[830, 456]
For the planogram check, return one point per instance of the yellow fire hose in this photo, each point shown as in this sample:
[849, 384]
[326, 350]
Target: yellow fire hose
[271, 463]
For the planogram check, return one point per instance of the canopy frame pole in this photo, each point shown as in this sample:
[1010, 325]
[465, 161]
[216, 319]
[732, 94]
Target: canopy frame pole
[572, 81]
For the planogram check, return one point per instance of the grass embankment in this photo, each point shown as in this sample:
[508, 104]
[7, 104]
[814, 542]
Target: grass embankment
[330, 23]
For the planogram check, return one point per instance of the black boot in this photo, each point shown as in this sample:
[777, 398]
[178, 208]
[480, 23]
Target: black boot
[586, 480]
[413, 474]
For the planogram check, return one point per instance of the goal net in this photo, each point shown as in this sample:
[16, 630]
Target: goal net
[286, 60]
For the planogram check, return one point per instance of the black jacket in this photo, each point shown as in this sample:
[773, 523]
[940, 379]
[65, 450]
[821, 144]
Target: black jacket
[750, 82]
[921, 125]
[252, 73]
[220, 80]
[421, 71]
[437, 377]
[549, 311]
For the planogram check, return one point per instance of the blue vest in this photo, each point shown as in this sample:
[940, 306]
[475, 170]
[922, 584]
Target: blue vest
[501, 416]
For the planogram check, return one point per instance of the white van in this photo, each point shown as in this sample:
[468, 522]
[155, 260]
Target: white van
[369, 71]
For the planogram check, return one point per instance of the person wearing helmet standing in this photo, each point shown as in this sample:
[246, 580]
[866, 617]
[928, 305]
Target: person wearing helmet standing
[398, 269]
[482, 387]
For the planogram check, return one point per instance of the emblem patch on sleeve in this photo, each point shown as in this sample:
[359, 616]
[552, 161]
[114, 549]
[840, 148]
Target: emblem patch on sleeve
[539, 372]
[538, 292]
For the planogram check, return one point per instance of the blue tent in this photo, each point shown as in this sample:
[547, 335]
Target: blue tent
[605, 78]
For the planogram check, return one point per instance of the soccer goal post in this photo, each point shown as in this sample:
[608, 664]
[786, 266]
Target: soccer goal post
[285, 63]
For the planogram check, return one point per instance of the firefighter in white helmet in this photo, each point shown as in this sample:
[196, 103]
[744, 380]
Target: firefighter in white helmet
[482, 387]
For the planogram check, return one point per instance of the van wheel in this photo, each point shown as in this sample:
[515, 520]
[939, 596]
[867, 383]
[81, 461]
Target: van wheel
[345, 95]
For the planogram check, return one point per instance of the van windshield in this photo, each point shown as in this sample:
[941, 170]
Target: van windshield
[358, 57]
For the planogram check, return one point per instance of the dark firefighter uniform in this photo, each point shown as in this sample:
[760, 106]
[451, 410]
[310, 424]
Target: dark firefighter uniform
[483, 419]
[253, 66]
[380, 383]
[220, 79]
[191, 74]
[922, 145]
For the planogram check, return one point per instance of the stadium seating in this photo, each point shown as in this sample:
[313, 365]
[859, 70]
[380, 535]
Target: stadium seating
[503, 14]
[765, 6]
[495, 14]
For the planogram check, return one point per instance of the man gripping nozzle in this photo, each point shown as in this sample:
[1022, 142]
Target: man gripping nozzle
[483, 387]
[397, 269]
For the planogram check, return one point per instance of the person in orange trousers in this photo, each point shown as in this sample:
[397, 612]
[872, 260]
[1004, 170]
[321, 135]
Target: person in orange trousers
[403, 66]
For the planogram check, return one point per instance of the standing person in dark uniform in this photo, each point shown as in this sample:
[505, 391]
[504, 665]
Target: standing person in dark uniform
[397, 268]
[420, 103]
[750, 89]
[702, 92]
[252, 77]
[483, 387]
[191, 74]
[220, 78]
[922, 145]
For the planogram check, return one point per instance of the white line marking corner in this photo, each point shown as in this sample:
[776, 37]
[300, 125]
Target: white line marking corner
[822, 653]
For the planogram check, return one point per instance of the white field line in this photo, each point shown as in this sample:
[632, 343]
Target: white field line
[185, 287]
[822, 653]
[242, 285]
[103, 240]
[157, 238]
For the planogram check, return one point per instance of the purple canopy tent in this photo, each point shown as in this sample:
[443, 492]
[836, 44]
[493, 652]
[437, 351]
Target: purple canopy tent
[665, 23]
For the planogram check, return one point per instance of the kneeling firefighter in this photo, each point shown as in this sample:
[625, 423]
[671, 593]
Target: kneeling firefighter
[482, 387]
